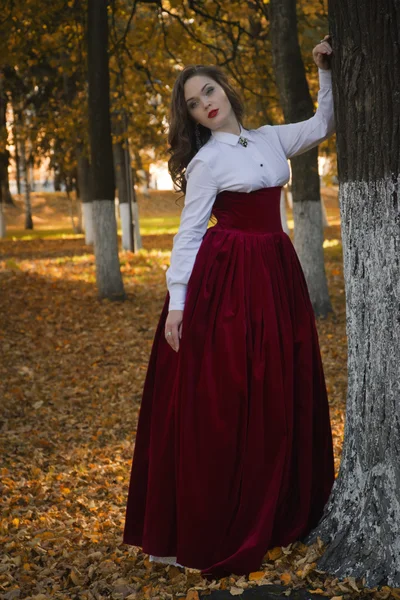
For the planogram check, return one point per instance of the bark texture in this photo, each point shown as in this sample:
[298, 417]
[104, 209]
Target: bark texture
[297, 106]
[309, 239]
[109, 279]
[108, 273]
[361, 524]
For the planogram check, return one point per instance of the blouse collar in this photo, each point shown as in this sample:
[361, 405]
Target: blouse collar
[231, 138]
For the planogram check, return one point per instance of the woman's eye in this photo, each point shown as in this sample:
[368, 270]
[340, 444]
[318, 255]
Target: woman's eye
[194, 104]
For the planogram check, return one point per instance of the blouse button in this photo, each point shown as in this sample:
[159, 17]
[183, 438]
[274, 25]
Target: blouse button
[261, 165]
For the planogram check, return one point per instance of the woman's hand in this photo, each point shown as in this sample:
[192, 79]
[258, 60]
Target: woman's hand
[322, 53]
[173, 328]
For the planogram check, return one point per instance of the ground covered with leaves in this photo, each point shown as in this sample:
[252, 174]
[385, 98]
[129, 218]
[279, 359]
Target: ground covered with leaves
[71, 376]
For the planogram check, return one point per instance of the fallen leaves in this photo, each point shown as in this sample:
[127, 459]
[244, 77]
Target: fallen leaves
[286, 578]
[71, 380]
[256, 575]
[274, 553]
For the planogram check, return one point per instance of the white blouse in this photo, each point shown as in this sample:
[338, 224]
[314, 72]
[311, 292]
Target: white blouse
[224, 164]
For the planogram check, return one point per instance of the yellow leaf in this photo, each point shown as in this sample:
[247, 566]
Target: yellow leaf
[147, 589]
[317, 591]
[286, 578]
[75, 578]
[15, 521]
[274, 553]
[256, 575]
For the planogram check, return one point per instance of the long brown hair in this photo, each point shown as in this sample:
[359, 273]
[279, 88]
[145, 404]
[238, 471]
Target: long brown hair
[182, 132]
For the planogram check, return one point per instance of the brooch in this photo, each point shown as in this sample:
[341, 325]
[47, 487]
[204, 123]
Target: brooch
[243, 141]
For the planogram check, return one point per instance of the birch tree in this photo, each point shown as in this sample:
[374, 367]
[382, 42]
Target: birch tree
[361, 523]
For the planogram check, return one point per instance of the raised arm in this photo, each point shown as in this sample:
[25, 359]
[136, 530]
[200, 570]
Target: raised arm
[200, 195]
[296, 138]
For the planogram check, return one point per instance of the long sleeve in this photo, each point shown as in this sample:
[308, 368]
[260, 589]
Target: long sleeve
[296, 138]
[201, 191]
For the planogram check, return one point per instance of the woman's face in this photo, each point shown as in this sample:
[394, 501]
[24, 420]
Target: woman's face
[207, 102]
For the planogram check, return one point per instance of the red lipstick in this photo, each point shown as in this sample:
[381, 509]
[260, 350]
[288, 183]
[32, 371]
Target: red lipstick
[213, 113]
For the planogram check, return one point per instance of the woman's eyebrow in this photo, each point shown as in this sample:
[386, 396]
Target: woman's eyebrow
[208, 83]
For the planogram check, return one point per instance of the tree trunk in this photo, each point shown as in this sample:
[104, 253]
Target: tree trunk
[142, 176]
[108, 272]
[325, 222]
[88, 225]
[5, 195]
[3, 228]
[85, 195]
[17, 158]
[297, 106]
[25, 169]
[122, 164]
[137, 238]
[74, 207]
[8, 199]
[57, 181]
[361, 523]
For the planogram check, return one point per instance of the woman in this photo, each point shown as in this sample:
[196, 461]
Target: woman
[233, 451]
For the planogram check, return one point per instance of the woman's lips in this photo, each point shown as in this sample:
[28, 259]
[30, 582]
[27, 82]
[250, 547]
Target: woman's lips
[213, 113]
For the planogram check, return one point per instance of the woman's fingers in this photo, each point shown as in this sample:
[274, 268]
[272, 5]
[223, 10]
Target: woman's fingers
[173, 328]
[324, 47]
[175, 338]
[172, 336]
[322, 52]
[325, 43]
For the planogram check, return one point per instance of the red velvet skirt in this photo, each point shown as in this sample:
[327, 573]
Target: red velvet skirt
[233, 451]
